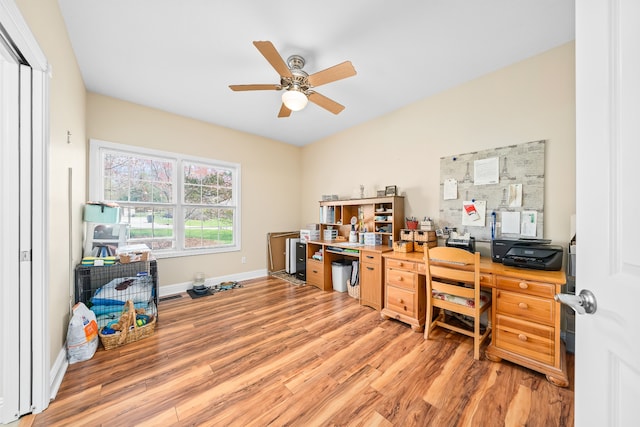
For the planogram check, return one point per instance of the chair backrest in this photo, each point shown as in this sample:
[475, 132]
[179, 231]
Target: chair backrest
[448, 268]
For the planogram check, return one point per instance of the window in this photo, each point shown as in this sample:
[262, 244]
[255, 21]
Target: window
[175, 204]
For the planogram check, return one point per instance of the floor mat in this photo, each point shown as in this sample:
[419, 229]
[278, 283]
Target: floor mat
[288, 277]
[224, 286]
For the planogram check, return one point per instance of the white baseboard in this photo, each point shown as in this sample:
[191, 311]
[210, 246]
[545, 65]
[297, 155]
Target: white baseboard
[183, 287]
[58, 370]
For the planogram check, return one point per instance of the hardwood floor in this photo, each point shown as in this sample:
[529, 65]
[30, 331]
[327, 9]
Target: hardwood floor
[272, 353]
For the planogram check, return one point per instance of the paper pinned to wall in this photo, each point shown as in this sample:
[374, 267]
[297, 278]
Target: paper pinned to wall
[486, 171]
[474, 213]
[510, 222]
[515, 195]
[450, 189]
[529, 223]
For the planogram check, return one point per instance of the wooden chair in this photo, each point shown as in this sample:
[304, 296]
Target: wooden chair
[453, 284]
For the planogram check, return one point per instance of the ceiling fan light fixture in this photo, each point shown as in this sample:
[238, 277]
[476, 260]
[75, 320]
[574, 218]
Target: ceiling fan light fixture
[294, 99]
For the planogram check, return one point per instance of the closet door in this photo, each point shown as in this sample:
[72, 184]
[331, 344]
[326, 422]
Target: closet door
[10, 243]
[24, 347]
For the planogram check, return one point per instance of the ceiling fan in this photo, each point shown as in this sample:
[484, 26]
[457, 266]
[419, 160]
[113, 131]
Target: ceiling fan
[297, 84]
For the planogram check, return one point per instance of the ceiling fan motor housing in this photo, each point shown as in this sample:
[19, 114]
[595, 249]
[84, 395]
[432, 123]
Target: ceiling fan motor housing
[299, 80]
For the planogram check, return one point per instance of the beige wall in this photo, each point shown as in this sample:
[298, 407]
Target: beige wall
[67, 113]
[531, 100]
[270, 172]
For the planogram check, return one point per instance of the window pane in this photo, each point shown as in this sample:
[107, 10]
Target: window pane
[208, 227]
[207, 185]
[150, 225]
[129, 178]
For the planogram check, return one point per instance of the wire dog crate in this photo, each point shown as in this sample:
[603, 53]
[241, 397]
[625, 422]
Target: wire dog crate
[90, 279]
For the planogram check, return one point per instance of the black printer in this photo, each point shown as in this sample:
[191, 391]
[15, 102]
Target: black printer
[536, 254]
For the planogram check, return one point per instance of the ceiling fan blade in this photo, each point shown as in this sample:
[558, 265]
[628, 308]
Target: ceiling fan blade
[284, 111]
[255, 87]
[326, 103]
[331, 74]
[267, 50]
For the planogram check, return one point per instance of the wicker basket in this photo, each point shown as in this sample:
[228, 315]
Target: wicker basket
[354, 291]
[402, 246]
[131, 332]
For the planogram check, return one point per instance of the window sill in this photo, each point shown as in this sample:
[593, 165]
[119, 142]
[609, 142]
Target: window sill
[194, 252]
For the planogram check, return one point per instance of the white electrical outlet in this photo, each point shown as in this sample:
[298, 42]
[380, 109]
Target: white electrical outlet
[244, 260]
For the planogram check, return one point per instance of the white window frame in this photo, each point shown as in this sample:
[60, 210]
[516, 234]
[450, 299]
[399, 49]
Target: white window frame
[96, 190]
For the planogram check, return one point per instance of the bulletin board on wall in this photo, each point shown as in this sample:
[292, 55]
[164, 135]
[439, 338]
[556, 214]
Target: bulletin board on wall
[496, 192]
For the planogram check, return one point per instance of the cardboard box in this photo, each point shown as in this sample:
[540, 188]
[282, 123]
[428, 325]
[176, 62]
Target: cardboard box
[309, 235]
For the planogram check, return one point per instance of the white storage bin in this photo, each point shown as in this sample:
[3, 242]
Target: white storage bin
[340, 274]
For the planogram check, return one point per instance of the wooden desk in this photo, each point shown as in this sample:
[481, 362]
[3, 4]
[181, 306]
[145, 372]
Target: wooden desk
[525, 318]
[371, 275]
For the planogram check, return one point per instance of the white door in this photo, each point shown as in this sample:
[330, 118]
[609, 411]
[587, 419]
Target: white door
[607, 384]
[9, 243]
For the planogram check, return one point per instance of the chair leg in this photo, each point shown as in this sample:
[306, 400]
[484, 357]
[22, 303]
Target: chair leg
[476, 338]
[428, 322]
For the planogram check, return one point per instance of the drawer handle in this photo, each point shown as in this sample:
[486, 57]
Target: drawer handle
[523, 306]
[522, 337]
[315, 271]
[401, 301]
[370, 268]
[523, 285]
[369, 256]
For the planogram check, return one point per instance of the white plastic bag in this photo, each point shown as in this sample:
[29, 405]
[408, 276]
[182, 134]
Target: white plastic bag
[82, 335]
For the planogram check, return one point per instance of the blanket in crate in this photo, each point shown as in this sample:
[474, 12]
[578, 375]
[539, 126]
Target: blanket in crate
[120, 290]
[109, 300]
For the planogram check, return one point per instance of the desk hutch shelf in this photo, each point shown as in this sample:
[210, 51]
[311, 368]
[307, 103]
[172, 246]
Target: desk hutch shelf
[383, 215]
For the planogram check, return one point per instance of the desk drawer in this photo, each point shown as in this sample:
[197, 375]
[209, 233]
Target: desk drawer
[401, 301]
[370, 257]
[547, 290]
[315, 273]
[404, 265]
[486, 279]
[525, 338]
[527, 307]
[401, 278]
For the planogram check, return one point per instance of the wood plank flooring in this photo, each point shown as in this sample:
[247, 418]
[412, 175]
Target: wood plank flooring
[272, 353]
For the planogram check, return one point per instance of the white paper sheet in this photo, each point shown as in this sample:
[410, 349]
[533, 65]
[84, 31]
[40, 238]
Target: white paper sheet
[510, 222]
[486, 171]
[450, 189]
[474, 213]
[515, 195]
[529, 223]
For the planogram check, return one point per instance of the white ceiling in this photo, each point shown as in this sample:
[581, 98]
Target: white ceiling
[180, 56]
